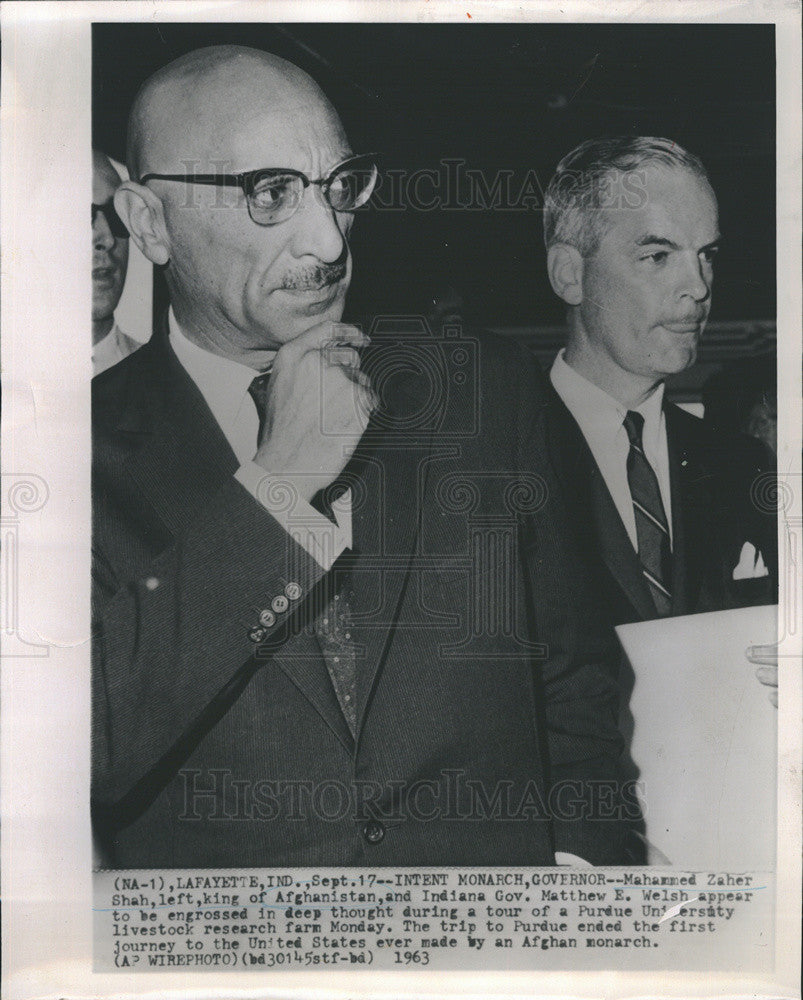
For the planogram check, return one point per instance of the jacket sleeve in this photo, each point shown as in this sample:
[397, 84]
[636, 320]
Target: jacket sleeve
[173, 640]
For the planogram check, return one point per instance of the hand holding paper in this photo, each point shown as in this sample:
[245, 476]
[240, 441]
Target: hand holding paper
[767, 671]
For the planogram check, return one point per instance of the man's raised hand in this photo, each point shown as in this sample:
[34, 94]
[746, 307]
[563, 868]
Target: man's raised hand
[318, 406]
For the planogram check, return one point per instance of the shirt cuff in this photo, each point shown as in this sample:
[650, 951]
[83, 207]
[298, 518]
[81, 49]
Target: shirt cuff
[314, 532]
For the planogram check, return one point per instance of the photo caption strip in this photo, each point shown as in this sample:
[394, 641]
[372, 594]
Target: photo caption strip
[520, 918]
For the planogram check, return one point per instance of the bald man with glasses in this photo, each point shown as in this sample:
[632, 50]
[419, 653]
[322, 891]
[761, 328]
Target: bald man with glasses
[292, 665]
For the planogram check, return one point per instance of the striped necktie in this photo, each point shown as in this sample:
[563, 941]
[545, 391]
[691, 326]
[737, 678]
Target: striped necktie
[652, 531]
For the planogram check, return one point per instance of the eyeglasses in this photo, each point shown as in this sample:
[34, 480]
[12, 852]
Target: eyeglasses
[274, 194]
[113, 220]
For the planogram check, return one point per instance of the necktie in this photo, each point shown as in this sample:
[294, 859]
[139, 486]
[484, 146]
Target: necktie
[332, 621]
[259, 393]
[652, 531]
[332, 626]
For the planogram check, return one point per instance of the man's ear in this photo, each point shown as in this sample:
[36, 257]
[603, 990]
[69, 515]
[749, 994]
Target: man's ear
[142, 212]
[565, 269]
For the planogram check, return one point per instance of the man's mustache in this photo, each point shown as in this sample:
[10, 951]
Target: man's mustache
[315, 277]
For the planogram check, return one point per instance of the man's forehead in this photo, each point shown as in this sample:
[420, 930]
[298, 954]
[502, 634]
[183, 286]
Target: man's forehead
[297, 136]
[234, 116]
[105, 182]
[302, 135]
[666, 202]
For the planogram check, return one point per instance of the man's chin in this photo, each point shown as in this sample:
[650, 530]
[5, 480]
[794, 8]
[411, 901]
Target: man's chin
[104, 304]
[679, 359]
[680, 352]
[292, 325]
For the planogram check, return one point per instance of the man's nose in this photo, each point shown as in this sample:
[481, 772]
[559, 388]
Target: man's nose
[102, 237]
[319, 231]
[697, 278]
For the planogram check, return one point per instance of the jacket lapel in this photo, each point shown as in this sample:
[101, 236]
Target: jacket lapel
[385, 522]
[616, 548]
[184, 460]
[693, 527]
[185, 456]
[592, 507]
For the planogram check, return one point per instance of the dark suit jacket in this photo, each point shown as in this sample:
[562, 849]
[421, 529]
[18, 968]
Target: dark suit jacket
[480, 690]
[717, 482]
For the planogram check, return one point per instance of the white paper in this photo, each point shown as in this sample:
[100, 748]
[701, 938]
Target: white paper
[704, 737]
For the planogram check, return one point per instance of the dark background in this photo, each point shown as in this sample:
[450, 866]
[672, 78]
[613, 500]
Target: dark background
[514, 97]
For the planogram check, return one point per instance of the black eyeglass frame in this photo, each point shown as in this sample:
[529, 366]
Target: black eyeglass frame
[117, 227]
[248, 179]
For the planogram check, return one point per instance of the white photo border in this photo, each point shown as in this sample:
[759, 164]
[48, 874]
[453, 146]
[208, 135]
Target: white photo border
[46, 371]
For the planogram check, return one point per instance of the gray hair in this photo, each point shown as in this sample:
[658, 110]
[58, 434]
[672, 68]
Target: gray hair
[597, 175]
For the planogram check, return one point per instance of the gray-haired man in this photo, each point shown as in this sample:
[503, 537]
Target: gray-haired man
[662, 503]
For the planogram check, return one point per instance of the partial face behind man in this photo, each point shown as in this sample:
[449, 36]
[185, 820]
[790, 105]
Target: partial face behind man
[238, 287]
[109, 245]
[640, 299]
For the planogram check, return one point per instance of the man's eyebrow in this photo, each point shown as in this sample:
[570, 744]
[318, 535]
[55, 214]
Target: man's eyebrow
[661, 241]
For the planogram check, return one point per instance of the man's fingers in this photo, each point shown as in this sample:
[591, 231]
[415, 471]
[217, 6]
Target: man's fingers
[763, 654]
[768, 649]
[319, 336]
[340, 354]
[768, 676]
[368, 390]
[367, 399]
[767, 654]
[358, 376]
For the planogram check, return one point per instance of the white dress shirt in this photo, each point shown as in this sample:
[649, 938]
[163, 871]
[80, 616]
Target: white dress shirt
[115, 346]
[224, 385]
[600, 418]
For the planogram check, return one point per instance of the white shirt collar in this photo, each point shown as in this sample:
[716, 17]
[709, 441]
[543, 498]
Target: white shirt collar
[110, 337]
[598, 414]
[108, 343]
[115, 346]
[223, 382]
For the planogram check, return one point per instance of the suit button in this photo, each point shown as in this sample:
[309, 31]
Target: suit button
[292, 591]
[256, 634]
[279, 604]
[373, 831]
[267, 618]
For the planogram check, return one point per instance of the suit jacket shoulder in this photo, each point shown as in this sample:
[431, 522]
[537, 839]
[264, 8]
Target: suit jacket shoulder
[723, 484]
[729, 453]
[736, 472]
